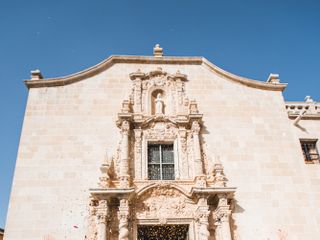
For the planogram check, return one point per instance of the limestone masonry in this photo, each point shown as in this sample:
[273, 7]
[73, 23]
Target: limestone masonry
[156, 147]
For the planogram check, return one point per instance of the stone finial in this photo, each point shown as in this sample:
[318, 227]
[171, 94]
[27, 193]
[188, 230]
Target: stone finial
[157, 51]
[125, 106]
[219, 178]
[104, 179]
[180, 76]
[308, 99]
[137, 75]
[193, 107]
[36, 75]
[273, 78]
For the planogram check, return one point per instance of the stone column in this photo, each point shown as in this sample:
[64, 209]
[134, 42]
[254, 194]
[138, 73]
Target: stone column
[198, 171]
[123, 216]
[124, 163]
[102, 214]
[222, 217]
[203, 219]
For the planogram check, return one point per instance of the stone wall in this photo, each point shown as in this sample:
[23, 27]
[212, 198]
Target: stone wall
[68, 129]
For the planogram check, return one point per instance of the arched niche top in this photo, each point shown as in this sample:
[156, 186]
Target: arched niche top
[155, 186]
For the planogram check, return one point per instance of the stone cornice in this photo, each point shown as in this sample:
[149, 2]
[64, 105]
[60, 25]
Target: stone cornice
[61, 81]
[307, 110]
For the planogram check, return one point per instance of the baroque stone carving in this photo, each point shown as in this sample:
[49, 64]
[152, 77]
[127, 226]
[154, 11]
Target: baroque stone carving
[159, 112]
[123, 216]
[159, 104]
[161, 132]
[145, 83]
[105, 178]
[219, 178]
[163, 203]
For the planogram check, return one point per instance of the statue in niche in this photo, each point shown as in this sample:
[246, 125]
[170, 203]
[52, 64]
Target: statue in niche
[159, 104]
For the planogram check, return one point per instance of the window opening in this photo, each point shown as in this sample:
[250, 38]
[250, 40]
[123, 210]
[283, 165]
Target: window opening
[310, 151]
[160, 162]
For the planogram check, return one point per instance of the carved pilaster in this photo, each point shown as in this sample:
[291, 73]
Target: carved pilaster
[144, 96]
[137, 95]
[202, 216]
[222, 218]
[183, 152]
[124, 163]
[102, 214]
[198, 171]
[138, 152]
[137, 81]
[123, 216]
[180, 85]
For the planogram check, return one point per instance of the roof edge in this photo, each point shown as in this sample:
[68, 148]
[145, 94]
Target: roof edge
[89, 72]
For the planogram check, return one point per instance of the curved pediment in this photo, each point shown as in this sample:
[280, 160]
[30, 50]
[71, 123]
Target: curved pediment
[37, 80]
[162, 189]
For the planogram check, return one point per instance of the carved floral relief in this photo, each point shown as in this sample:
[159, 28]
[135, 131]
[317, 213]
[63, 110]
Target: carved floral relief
[163, 203]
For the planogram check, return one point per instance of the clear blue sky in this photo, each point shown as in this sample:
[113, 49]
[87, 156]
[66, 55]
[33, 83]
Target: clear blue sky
[250, 38]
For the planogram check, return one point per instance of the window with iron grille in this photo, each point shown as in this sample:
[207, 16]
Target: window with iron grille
[310, 151]
[160, 162]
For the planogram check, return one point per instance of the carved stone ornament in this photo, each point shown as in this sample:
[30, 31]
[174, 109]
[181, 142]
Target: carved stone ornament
[125, 127]
[102, 210]
[158, 112]
[123, 216]
[219, 178]
[193, 107]
[161, 132]
[144, 84]
[163, 203]
[195, 127]
[221, 216]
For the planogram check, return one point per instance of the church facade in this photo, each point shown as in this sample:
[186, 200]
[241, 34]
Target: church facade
[155, 147]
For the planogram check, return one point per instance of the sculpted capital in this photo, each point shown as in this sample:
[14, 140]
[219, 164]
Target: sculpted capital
[195, 127]
[125, 127]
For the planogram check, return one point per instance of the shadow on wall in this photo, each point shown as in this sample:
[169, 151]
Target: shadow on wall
[235, 208]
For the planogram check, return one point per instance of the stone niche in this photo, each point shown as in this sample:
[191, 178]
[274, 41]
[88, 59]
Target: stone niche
[158, 112]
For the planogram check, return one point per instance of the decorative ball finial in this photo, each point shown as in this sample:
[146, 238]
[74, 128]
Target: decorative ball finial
[157, 51]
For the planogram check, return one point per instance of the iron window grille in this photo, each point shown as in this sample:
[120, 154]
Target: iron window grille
[310, 151]
[160, 162]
